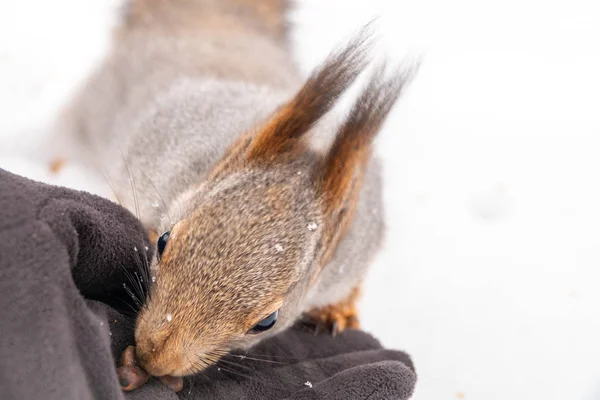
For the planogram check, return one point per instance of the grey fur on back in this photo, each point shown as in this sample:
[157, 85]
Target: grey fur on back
[169, 102]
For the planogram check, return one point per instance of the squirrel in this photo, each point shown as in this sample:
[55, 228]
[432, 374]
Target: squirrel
[200, 108]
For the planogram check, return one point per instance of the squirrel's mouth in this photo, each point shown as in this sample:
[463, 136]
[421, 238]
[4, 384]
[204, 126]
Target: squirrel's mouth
[156, 364]
[132, 376]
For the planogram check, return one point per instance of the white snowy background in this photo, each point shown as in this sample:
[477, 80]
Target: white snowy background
[491, 273]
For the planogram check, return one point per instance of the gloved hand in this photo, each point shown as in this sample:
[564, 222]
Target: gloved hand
[64, 257]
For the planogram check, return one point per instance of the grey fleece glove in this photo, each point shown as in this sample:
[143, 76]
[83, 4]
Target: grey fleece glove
[64, 257]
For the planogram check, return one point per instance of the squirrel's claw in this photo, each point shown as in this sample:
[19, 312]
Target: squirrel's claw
[336, 317]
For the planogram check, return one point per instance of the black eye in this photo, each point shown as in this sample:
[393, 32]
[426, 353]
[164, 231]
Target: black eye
[162, 243]
[265, 324]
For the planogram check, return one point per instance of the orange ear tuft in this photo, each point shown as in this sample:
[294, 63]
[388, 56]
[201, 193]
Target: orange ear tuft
[318, 95]
[351, 148]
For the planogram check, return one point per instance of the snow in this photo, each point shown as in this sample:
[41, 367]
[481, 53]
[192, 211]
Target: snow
[312, 226]
[489, 277]
[308, 383]
[169, 317]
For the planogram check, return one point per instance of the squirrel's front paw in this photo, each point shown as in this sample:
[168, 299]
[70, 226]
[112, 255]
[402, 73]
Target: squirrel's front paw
[336, 317]
[131, 376]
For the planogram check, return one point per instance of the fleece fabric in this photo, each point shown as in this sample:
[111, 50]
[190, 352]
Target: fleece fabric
[66, 316]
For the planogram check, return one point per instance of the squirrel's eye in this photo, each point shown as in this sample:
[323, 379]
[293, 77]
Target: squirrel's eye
[162, 243]
[265, 324]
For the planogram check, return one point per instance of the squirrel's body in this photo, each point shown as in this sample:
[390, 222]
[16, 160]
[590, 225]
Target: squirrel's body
[172, 113]
[172, 96]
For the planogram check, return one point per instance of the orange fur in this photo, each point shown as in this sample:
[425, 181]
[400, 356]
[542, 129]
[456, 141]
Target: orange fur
[318, 95]
[351, 149]
[337, 317]
[57, 165]
[152, 235]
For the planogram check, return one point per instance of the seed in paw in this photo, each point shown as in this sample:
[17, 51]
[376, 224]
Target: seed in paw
[128, 357]
[132, 377]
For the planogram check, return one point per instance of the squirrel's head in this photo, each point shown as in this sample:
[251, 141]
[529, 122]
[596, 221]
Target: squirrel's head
[252, 238]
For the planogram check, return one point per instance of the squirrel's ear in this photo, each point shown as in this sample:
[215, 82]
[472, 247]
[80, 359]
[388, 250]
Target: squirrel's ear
[283, 132]
[338, 179]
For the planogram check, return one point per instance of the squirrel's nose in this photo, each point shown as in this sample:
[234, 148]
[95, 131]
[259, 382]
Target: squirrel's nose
[152, 343]
[152, 361]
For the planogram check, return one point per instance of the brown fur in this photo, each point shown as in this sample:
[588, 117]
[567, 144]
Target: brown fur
[221, 234]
